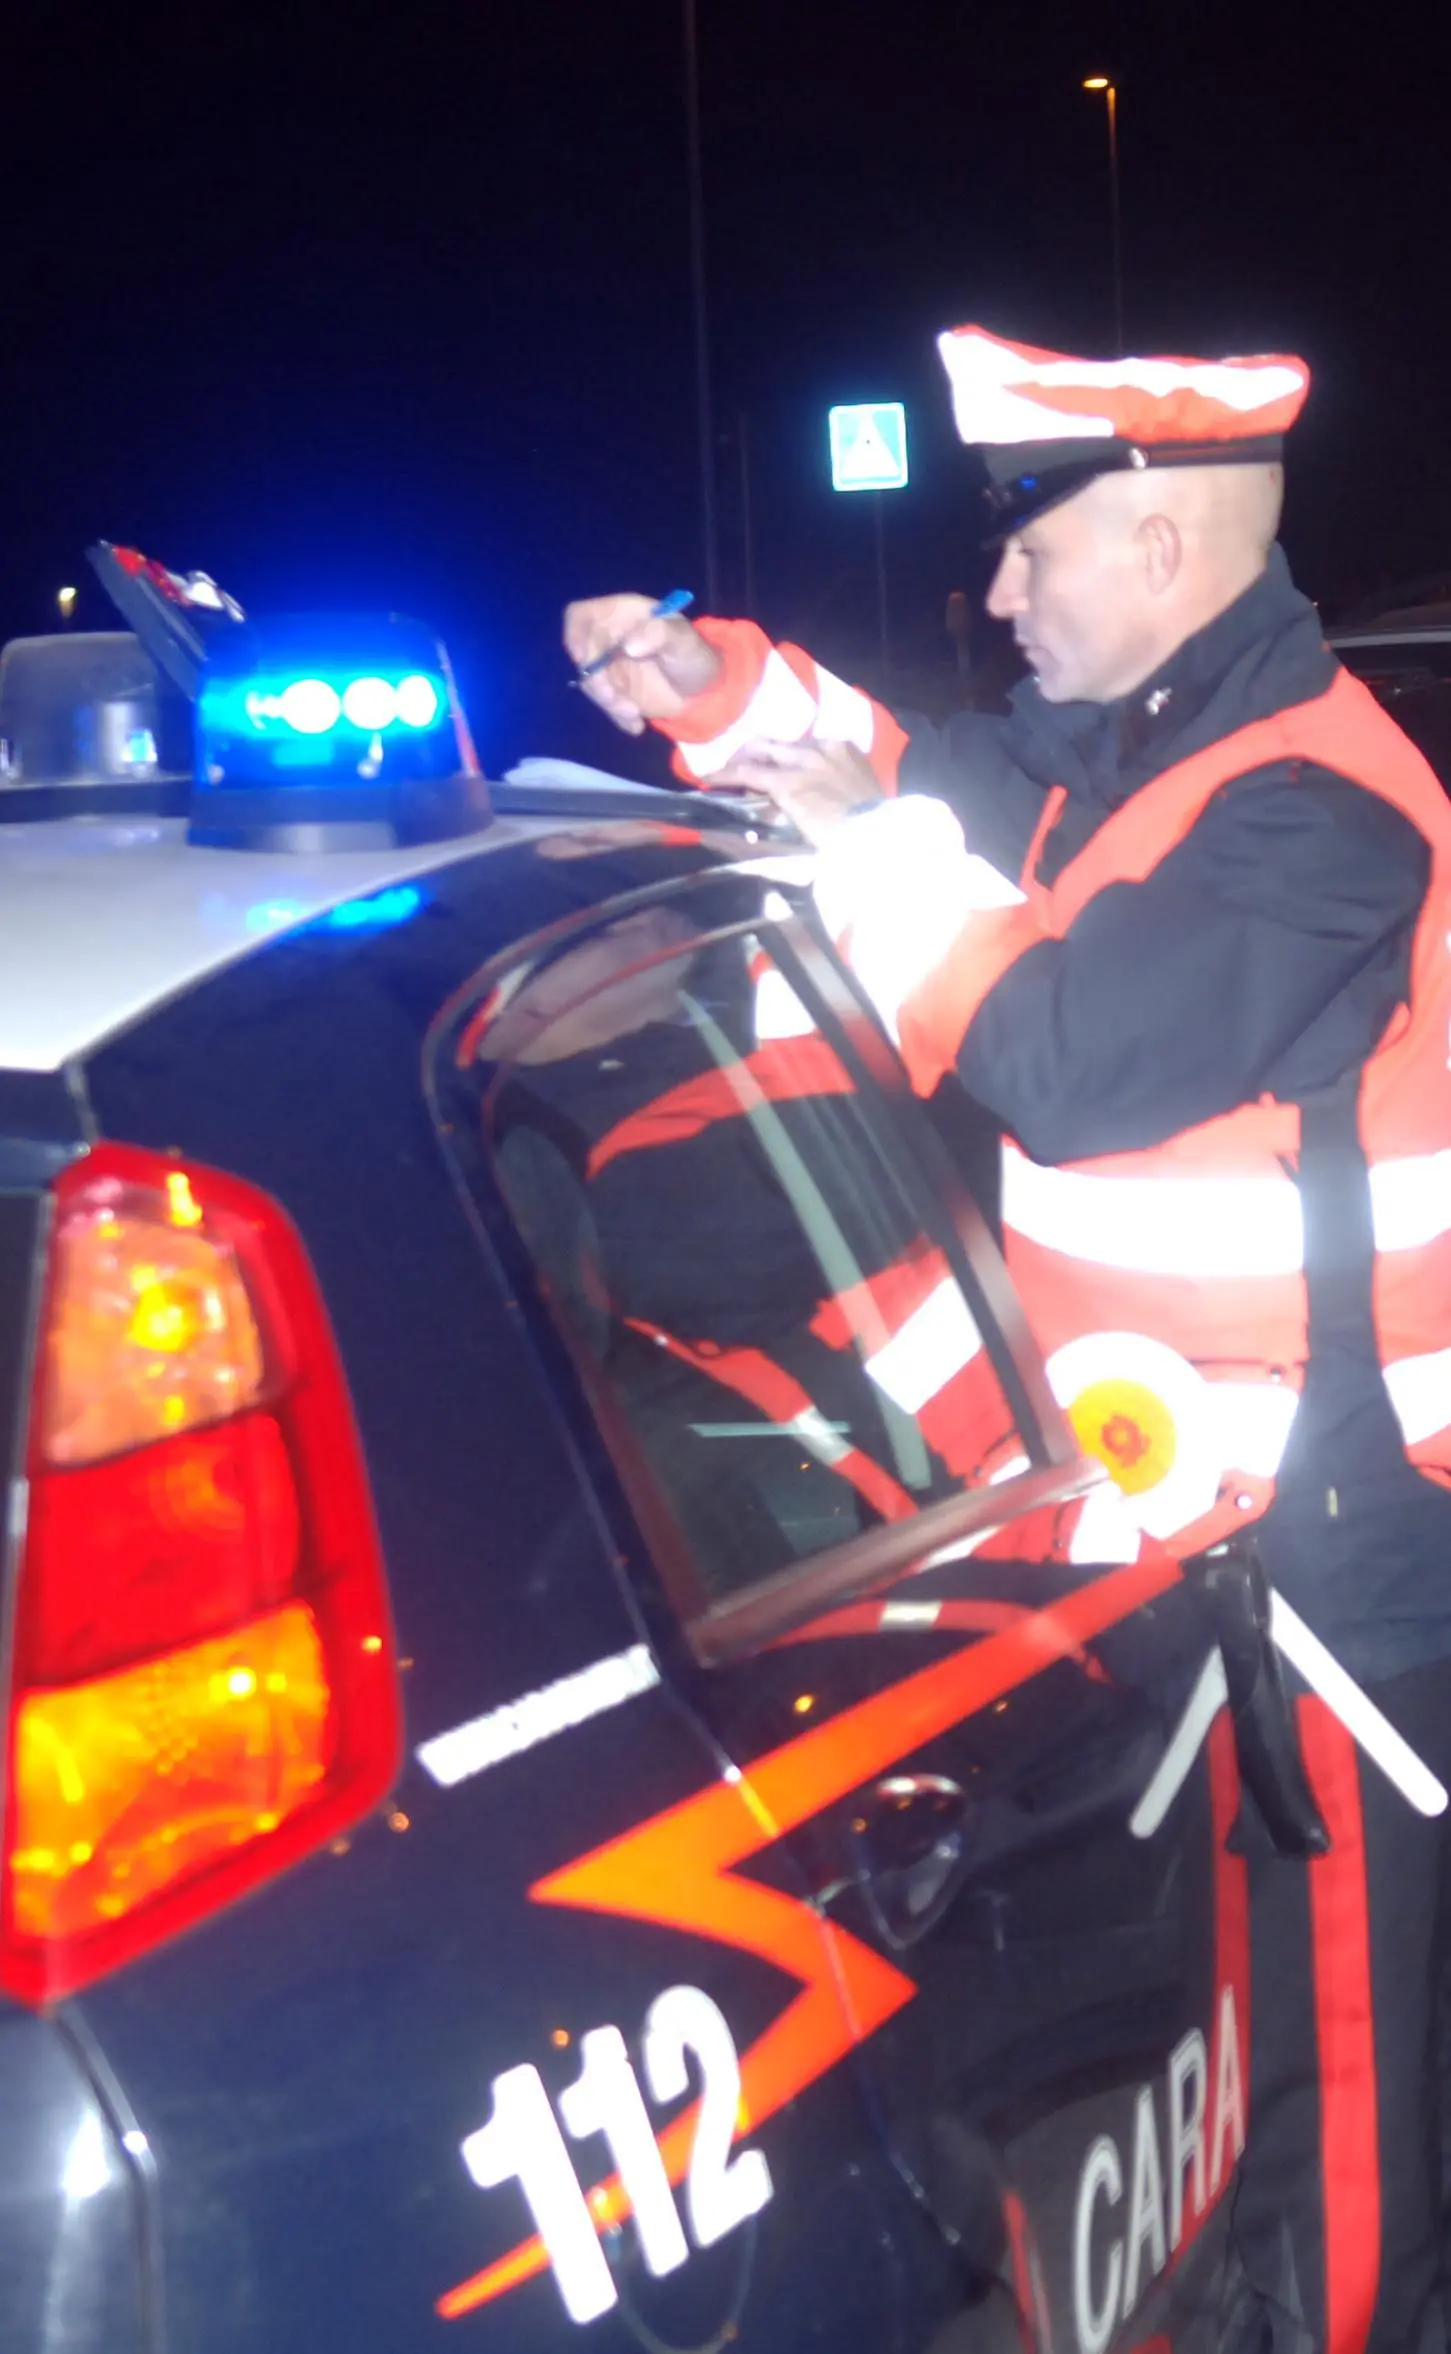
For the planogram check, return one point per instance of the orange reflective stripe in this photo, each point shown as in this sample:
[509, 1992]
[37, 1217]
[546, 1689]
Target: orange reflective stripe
[679, 1870]
[865, 1314]
[743, 647]
[937, 1017]
[784, 1070]
[903, 1614]
[745, 650]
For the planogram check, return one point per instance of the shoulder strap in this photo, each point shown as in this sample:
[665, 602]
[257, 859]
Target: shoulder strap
[1344, 729]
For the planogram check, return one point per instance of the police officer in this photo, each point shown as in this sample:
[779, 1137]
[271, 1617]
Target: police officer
[1181, 921]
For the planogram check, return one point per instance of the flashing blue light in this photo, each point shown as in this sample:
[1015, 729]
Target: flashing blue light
[281, 707]
[347, 703]
[370, 703]
[269, 913]
[311, 706]
[394, 906]
[418, 701]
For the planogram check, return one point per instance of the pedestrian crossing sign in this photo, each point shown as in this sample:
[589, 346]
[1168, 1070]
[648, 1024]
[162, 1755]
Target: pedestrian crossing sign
[869, 446]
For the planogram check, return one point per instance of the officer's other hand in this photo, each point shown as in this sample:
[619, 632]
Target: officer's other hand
[818, 786]
[663, 661]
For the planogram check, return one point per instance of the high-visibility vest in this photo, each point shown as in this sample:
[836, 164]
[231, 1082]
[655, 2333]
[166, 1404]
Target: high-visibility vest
[1166, 1287]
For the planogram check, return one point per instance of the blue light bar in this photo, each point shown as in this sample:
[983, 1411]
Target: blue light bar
[335, 721]
[322, 705]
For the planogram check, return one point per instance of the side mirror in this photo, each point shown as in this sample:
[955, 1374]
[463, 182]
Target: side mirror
[909, 1851]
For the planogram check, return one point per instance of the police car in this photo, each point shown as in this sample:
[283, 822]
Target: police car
[541, 1810]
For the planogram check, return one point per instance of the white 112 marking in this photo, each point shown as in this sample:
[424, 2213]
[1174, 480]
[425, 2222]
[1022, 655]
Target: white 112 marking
[522, 2142]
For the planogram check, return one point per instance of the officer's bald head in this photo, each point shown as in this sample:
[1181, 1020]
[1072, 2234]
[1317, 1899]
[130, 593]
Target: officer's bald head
[1103, 589]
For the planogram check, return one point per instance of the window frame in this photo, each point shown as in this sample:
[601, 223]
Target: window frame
[732, 1627]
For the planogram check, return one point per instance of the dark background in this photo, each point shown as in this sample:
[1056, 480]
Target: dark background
[392, 306]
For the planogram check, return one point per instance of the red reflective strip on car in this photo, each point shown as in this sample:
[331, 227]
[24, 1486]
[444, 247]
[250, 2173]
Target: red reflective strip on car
[888, 1618]
[679, 1870]
[1345, 2035]
[902, 1614]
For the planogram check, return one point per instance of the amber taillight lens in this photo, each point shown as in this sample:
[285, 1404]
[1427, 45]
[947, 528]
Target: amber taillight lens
[203, 1682]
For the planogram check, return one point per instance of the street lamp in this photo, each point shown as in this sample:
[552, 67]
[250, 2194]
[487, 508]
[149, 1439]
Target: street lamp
[1103, 83]
[66, 606]
[704, 425]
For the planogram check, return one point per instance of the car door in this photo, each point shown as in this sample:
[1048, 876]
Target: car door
[382, 2101]
[790, 1324]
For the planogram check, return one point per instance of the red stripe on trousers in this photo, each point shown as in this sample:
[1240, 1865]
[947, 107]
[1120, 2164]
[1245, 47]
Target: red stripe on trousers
[1345, 2034]
[1015, 2216]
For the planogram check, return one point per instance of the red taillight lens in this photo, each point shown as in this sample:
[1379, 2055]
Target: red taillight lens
[203, 1676]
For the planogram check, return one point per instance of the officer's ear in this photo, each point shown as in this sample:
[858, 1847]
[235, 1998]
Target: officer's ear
[1161, 552]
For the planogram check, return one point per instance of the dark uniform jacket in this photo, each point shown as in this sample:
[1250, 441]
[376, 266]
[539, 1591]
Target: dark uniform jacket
[1320, 883]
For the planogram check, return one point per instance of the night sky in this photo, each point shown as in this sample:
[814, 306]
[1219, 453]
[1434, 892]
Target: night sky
[392, 307]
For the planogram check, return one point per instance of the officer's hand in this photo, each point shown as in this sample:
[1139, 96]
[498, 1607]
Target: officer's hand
[818, 786]
[664, 660]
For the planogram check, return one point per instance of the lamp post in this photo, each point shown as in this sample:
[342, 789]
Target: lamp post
[65, 600]
[1110, 91]
[704, 422]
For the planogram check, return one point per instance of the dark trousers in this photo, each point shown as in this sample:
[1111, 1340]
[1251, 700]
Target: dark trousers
[1341, 2218]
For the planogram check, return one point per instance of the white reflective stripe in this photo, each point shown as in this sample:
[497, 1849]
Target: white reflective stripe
[994, 388]
[895, 887]
[910, 1614]
[1156, 1225]
[1411, 1200]
[522, 1724]
[1209, 1695]
[1012, 1469]
[779, 1012]
[1375, 1733]
[1104, 1530]
[781, 708]
[843, 714]
[1208, 1226]
[1420, 1390]
[936, 1341]
[1252, 1420]
[819, 1436]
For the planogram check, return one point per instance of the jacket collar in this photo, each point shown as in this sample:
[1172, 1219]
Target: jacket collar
[1264, 653]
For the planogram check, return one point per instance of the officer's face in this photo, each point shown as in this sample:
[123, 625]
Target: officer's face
[1073, 585]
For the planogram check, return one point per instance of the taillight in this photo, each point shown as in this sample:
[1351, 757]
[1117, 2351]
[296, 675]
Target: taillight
[203, 1682]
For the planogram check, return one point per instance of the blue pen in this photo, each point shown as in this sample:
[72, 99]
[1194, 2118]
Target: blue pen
[676, 602]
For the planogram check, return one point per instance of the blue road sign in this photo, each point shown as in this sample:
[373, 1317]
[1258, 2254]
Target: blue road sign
[869, 446]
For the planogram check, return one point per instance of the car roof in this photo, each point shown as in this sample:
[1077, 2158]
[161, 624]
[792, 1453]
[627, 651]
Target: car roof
[102, 920]
[1421, 623]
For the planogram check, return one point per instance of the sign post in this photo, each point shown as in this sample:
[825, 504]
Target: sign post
[869, 452]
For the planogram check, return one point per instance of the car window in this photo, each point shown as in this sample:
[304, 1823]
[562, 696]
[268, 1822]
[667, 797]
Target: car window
[1393, 665]
[1425, 714]
[785, 1335]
